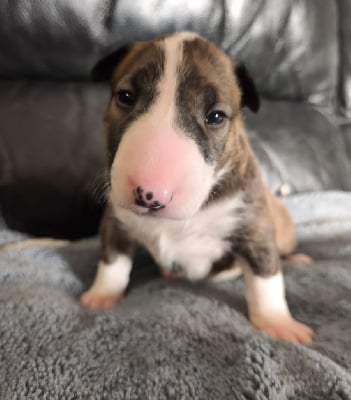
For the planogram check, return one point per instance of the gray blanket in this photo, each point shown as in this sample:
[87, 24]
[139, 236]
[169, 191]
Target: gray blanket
[176, 340]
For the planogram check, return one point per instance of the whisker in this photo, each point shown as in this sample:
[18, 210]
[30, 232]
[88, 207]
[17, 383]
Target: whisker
[100, 187]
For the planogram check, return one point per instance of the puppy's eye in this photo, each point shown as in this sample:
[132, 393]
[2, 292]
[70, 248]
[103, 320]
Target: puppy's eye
[125, 98]
[215, 118]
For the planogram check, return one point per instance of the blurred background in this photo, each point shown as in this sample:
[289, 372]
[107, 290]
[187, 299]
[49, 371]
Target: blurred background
[51, 145]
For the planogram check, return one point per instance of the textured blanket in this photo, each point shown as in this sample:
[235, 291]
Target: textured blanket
[176, 340]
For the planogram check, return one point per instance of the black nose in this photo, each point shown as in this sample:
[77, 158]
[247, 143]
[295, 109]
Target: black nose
[146, 200]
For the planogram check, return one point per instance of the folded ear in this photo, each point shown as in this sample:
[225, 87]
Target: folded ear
[249, 94]
[104, 68]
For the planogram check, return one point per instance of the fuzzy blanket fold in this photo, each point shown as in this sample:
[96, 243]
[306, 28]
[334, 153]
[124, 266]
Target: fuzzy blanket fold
[176, 340]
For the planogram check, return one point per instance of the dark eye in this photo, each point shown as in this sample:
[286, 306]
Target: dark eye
[125, 98]
[215, 118]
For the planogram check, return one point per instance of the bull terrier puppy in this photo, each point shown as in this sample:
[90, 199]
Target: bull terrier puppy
[183, 179]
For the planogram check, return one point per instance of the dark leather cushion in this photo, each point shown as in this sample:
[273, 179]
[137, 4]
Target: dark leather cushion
[346, 137]
[290, 47]
[52, 156]
[345, 56]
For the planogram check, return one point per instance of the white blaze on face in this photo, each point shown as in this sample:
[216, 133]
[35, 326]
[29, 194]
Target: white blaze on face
[157, 155]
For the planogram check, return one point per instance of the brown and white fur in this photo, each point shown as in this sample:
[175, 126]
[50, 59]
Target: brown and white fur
[184, 181]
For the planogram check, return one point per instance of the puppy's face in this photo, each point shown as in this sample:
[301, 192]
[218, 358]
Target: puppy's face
[173, 107]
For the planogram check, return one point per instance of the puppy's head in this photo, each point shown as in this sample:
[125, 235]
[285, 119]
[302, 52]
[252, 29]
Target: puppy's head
[173, 107]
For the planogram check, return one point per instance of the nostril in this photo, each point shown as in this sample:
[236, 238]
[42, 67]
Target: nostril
[141, 203]
[138, 193]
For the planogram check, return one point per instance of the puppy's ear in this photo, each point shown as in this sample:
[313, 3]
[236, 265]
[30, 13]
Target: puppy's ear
[104, 68]
[249, 94]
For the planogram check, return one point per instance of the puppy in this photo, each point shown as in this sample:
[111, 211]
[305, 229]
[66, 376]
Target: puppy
[184, 181]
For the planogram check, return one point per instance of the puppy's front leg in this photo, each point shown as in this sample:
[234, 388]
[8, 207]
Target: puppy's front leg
[268, 309]
[112, 276]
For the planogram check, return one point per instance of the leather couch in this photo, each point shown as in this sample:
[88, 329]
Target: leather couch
[51, 147]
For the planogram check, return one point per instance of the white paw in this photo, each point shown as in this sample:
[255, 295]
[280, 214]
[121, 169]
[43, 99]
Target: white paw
[95, 299]
[285, 327]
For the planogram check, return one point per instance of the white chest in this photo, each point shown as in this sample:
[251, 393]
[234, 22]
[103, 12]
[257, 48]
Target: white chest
[192, 244]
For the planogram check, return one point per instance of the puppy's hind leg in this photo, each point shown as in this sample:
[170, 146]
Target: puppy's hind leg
[285, 232]
[112, 276]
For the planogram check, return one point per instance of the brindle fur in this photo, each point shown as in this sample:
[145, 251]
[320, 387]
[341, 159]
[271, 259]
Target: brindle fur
[130, 75]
